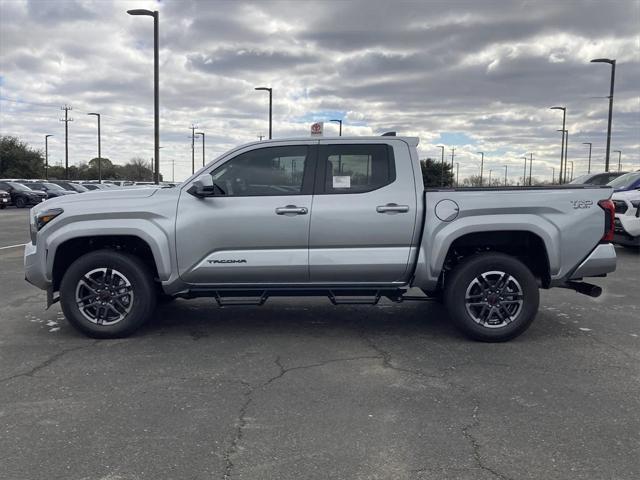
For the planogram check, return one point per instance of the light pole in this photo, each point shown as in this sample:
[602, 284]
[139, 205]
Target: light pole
[564, 118]
[97, 115]
[553, 175]
[613, 78]
[481, 166]
[202, 133]
[46, 156]
[270, 90]
[524, 175]
[571, 178]
[193, 148]
[340, 122]
[589, 167]
[530, 167]
[457, 173]
[156, 88]
[505, 175]
[442, 166]
[562, 175]
[619, 159]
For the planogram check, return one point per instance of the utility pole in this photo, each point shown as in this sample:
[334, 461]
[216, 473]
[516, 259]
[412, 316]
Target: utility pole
[453, 152]
[193, 148]
[457, 173]
[505, 175]
[481, 166]
[202, 133]
[46, 156]
[530, 167]
[66, 121]
[524, 175]
[442, 166]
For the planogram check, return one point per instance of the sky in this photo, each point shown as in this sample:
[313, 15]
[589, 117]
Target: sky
[470, 75]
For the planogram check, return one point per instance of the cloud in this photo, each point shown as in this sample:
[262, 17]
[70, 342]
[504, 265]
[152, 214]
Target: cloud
[479, 76]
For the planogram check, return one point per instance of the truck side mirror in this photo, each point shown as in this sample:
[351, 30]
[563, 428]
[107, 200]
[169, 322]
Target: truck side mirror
[202, 187]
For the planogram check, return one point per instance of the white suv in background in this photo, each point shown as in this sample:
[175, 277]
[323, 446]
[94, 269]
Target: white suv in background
[627, 221]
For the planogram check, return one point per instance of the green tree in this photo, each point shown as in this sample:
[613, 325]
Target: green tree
[107, 167]
[435, 174]
[18, 160]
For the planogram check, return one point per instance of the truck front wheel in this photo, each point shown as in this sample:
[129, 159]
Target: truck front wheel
[492, 297]
[107, 294]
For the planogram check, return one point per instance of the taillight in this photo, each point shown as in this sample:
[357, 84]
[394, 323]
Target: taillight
[609, 215]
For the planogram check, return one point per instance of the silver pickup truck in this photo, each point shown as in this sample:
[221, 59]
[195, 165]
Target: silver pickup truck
[346, 218]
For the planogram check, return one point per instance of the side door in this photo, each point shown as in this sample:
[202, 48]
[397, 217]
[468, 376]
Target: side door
[255, 231]
[364, 213]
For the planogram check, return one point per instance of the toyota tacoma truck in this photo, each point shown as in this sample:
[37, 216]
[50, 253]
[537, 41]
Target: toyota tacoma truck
[347, 218]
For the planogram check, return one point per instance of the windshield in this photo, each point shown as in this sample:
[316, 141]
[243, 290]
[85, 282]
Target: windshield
[78, 188]
[624, 180]
[19, 187]
[53, 186]
[580, 180]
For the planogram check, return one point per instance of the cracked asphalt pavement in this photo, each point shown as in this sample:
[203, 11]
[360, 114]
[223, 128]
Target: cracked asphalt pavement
[301, 389]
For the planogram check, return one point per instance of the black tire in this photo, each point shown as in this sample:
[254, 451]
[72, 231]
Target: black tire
[475, 275]
[140, 282]
[20, 203]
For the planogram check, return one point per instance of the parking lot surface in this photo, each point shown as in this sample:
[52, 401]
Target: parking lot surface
[301, 389]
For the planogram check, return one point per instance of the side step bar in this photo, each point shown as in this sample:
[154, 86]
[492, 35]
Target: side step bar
[346, 296]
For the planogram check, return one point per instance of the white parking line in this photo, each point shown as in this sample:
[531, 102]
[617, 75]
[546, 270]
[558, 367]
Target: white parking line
[13, 246]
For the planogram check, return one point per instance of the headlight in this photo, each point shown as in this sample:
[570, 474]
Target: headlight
[46, 216]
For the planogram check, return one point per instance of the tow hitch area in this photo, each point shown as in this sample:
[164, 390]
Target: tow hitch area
[585, 288]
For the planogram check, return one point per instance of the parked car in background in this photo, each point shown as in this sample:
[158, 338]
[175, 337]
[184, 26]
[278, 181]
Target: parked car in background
[601, 178]
[22, 196]
[5, 199]
[71, 186]
[51, 189]
[98, 186]
[627, 221]
[628, 181]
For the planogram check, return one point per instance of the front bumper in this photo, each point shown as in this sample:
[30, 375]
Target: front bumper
[34, 267]
[599, 262]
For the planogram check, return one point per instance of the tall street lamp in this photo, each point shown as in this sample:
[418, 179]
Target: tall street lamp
[46, 156]
[270, 90]
[442, 166]
[202, 133]
[524, 175]
[490, 176]
[613, 78]
[481, 166]
[530, 167]
[97, 115]
[340, 122]
[571, 178]
[156, 89]
[562, 176]
[564, 118]
[619, 159]
[505, 175]
[553, 175]
[589, 167]
[457, 173]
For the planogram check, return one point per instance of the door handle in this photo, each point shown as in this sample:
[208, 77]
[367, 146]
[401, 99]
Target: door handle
[392, 208]
[291, 210]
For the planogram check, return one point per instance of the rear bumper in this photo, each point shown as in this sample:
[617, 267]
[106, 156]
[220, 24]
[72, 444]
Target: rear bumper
[599, 262]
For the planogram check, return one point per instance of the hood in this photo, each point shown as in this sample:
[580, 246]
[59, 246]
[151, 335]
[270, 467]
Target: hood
[101, 196]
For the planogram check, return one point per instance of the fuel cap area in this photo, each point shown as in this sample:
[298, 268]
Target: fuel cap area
[447, 210]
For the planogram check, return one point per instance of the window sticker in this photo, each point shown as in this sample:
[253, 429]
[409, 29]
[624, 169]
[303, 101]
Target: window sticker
[341, 181]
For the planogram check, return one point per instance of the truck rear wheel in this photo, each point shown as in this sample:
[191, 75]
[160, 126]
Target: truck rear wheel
[492, 297]
[107, 294]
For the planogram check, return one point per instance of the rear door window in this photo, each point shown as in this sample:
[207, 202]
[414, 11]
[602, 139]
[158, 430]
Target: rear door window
[356, 168]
